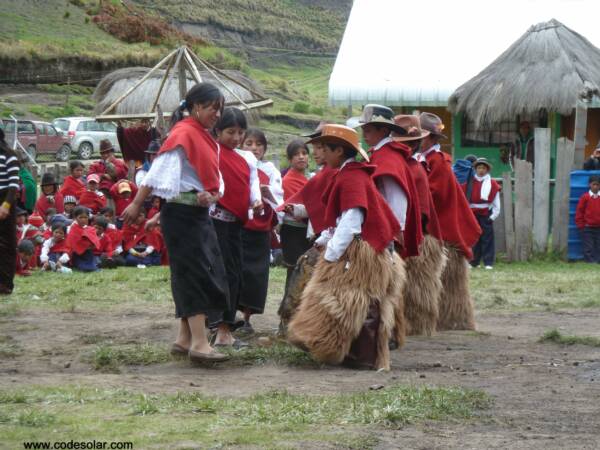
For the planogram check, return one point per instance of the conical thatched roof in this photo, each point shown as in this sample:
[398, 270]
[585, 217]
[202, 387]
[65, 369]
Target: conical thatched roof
[113, 85]
[550, 67]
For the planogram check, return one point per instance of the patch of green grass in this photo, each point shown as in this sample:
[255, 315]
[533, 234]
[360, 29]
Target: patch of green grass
[271, 419]
[558, 338]
[277, 353]
[108, 358]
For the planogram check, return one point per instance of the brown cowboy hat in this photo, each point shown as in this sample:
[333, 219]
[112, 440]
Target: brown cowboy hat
[317, 131]
[381, 116]
[412, 125]
[340, 134]
[433, 124]
[106, 146]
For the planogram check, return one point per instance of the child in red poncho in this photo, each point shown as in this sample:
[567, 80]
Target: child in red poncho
[92, 198]
[55, 255]
[25, 258]
[350, 305]
[587, 219]
[83, 242]
[50, 198]
[73, 184]
[122, 192]
[142, 246]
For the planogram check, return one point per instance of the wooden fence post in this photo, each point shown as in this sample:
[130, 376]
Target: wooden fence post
[580, 133]
[509, 223]
[560, 221]
[523, 209]
[541, 199]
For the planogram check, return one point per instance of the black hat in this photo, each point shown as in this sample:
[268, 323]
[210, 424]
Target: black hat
[153, 147]
[20, 212]
[48, 180]
[2, 136]
[26, 246]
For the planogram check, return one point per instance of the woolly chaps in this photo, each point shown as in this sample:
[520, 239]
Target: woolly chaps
[298, 280]
[336, 303]
[456, 305]
[423, 287]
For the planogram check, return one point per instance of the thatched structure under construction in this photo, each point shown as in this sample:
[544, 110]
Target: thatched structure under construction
[112, 86]
[550, 67]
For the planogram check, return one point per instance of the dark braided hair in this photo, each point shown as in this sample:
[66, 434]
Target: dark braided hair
[200, 94]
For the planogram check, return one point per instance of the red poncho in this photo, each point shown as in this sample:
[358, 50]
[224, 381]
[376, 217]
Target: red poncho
[426, 205]
[120, 201]
[99, 168]
[72, 186]
[92, 200]
[311, 196]
[42, 205]
[81, 239]
[391, 161]
[352, 187]
[268, 219]
[458, 224]
[200, 150]
[293, 181]
[134, 142]
[236, 176]
[115, 235]
[105, 246]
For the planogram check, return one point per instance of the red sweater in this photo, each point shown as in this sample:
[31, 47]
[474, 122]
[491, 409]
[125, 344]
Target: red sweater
[588, 211]
[352, 187]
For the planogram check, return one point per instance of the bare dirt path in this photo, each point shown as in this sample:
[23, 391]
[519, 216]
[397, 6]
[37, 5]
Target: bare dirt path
[546, 396]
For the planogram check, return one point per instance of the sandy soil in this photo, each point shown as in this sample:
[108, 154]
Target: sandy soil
[545, 396]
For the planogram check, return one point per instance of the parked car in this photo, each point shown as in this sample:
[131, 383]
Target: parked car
[85, 134]
[38, 138]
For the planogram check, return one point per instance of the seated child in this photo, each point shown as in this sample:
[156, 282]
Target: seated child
[55, 251]
[106, 254]
[83, 241]
[587, 219]
[25, 258]
[122, 193]
[115, 235]
[155, 207]
[73, 185]
[27, 231]
[50, 198]
[47, 228]
[142, 246]
[92, 198]
[70, 203]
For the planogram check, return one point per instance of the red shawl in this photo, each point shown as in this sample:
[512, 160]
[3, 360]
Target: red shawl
[293, 181]
[134, 142]
[92, 200]
[476, 196]
[352, 187]
[60, 247]
[72, 186]
[236, 176]
[115, 236]
[200, 149]
[391, 161]
[426, 205]
[311, 196]
[80, 238]
[268, 219]
[129, 232]
[42, 205]
[151, 237]
[458, 223]
[105, 247]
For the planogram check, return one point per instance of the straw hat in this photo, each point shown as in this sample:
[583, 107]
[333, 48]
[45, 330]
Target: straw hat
[340, 134]
[412, 125]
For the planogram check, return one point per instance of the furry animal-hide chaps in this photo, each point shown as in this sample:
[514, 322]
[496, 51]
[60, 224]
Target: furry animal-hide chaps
[298, 281]
[336, 300]
[456, 305]
[423, 287]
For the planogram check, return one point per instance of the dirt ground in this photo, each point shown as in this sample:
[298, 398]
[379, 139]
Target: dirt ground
[545, 396]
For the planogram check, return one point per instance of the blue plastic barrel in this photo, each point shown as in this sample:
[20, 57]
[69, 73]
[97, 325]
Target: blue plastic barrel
[579, 186]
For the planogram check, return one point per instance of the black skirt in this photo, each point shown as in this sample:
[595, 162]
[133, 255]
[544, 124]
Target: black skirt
[229, 236]
[256, 258]
[198, 279]
[8, 247]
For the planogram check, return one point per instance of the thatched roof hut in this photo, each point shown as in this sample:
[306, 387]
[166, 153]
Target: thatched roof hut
[550, 67]
[115, 84]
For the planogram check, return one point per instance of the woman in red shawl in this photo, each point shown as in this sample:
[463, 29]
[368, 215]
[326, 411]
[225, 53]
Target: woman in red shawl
[186, 174]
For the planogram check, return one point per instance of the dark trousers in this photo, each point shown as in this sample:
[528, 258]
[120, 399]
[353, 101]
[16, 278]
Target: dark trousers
[485, 248]
[8, 249]
[590, 239]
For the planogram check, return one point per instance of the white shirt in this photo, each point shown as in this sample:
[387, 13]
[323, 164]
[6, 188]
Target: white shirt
[393, 193]
[275, 181]
[44, 256]
[494, 205]
[171, 174]
[254, 180]
[348, 225]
